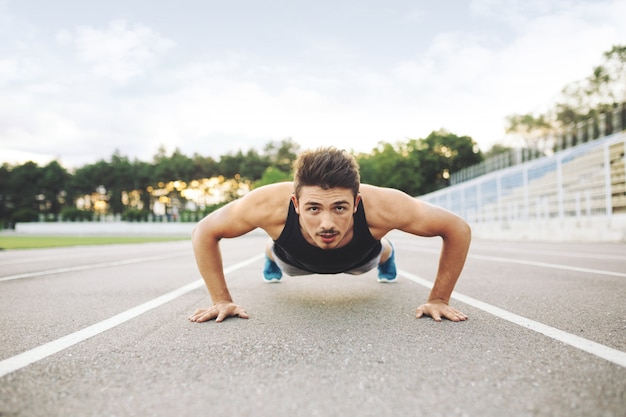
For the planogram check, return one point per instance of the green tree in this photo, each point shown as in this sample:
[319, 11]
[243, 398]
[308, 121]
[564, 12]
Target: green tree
[176, 166]
[121, 180]
[204, 167]
[6, 196]
[497, 149]
[54, 183]
[282, 154]
[253, 165]
[419, 166]
[24, 185]
[443, 153]
[598, 93]
[272, 175]
[392, 166]
[230, 165]
[535, 131]
[23, 193]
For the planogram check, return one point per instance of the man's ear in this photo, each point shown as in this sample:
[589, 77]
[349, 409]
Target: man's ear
[356, 202]
[295, 203]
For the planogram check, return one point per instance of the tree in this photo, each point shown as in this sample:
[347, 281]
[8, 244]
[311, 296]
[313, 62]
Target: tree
[419, 166]
[535, 131]
[497, 149]
[204, 167]
[254, 165]
[443, 153]
[271, 176]
[6, 202]
[392, 166]
[53, 185]
[598, 93]
[24, 186]
[579, 101]
[230, 164]
[177, 166]
[282, 154]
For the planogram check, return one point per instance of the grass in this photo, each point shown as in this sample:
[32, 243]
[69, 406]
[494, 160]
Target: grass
[37, 242]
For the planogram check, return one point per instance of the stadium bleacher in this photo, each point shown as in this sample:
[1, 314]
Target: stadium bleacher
[578, 193]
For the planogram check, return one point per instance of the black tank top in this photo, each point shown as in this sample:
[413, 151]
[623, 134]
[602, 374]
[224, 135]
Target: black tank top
[293, 248]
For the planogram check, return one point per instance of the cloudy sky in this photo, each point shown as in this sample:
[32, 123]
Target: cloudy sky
[81, 79]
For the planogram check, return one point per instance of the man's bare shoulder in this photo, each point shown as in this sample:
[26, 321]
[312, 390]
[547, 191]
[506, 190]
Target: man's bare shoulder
[267, 206]
[271, 194]
[381, 198]
[386, 208]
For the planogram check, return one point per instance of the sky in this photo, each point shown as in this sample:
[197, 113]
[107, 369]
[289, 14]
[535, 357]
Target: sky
[80, 80]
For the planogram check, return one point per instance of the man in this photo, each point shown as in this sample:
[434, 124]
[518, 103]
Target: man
[327, 222]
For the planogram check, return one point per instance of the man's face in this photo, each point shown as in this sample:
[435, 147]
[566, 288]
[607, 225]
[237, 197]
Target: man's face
[326, 215]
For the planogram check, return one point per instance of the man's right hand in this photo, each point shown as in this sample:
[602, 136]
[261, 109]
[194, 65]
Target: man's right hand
[219, 312]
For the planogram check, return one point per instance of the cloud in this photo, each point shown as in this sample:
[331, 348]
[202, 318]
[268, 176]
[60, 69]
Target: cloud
[118, 52]
[121, 84]
[475, 80]
[8, 70]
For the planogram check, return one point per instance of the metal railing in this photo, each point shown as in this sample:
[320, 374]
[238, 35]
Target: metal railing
[587, 179]
[604, 125]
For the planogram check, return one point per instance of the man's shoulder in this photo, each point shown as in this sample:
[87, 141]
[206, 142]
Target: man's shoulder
[278, 192]
[386, 208]
[267, 206]
[377, 196]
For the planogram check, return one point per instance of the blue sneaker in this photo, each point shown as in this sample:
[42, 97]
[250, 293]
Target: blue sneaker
[271, 271]
[387, 270]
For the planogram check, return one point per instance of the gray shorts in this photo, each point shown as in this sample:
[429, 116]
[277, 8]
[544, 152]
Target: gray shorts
[294, 270]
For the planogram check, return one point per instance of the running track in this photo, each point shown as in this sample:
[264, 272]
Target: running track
[102, 331]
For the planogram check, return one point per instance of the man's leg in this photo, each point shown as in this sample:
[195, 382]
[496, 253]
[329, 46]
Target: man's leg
[387, 266]
[271, 271]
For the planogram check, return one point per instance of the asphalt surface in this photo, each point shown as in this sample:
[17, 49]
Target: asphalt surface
[86, 331]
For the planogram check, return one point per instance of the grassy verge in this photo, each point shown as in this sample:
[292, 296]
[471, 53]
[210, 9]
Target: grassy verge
[35, 242]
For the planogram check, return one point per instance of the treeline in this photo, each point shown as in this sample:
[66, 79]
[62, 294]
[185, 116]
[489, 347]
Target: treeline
[131, 188]
[135, 189]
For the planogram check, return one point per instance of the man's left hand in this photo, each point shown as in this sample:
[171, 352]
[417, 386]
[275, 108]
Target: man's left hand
[438, 310]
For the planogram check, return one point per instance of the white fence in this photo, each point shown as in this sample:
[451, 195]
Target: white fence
[576, 194]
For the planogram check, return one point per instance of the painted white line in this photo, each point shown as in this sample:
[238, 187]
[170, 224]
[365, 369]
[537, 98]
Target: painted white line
[480, 246]
[548, 265]
[535, 263]
[612, 355]
[94, 266]
[29, 260]
[573, 254]
[24, 359]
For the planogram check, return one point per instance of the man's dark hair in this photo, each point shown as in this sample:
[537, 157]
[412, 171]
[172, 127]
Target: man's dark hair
[326, 168]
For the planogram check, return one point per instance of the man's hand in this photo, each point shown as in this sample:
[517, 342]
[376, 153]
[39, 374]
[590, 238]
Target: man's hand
[218, 312]
[439, 309]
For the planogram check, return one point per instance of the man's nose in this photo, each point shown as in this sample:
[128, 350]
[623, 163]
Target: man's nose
[326, 221]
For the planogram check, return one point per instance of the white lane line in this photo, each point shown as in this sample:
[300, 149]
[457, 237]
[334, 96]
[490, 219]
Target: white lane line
[572, 254]
[535, 263]
[28, 260]
[480, 246]
[612, 355]
[548, 265]
[93, 266]
[24, 359]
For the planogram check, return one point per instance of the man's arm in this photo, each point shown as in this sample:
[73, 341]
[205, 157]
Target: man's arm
[389, 209]
[205, 239]
[456, 236]
[261, 208]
